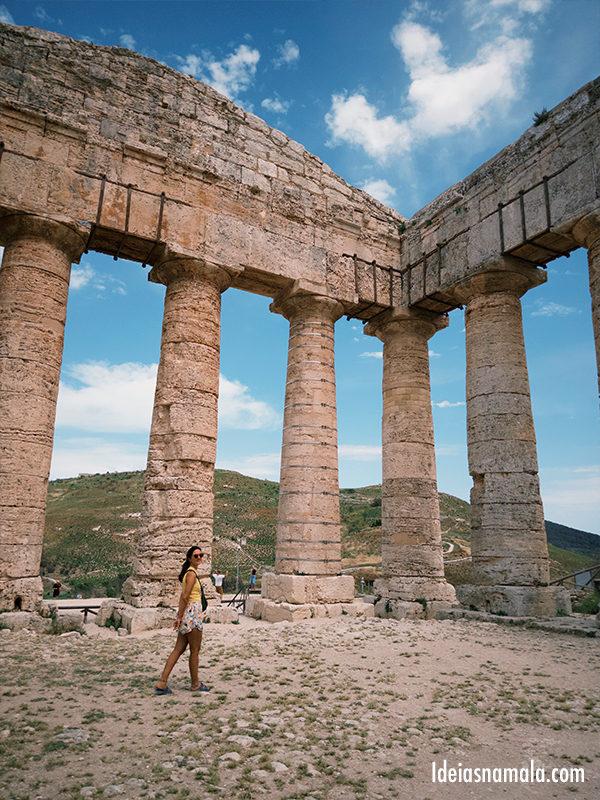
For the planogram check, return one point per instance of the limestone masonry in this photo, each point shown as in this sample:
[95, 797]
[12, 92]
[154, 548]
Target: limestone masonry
[103, 149]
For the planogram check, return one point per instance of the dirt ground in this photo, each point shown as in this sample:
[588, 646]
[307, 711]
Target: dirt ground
[327, 709]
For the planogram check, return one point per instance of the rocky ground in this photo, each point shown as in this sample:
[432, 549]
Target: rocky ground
[324, 709]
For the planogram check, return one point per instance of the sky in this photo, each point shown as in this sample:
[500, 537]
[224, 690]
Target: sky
[402, 99]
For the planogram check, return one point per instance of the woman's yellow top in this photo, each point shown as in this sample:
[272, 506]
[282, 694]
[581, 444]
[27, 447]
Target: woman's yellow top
[195, 596]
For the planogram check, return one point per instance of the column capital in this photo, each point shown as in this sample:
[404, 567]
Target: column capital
[175, 266]
[507, 275]
[70, 237]
[586, 231]
[403, 319]
[300, 303]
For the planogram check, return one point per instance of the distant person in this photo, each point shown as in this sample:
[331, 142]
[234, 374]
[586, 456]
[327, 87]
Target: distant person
[253, 578]
[188, 624]
[219, 578]
[56, 589]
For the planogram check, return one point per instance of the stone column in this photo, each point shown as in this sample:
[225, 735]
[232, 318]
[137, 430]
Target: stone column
[508, 537]
[587, 233]
[34, 284]
[411, 550]
[178, 500]
[308, 519]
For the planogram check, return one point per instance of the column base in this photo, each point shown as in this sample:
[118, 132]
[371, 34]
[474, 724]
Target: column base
[21, 594]
[271, 611]
[516, 601]
[415, 589]
[405, 609]
[151, 594]
[303, 589]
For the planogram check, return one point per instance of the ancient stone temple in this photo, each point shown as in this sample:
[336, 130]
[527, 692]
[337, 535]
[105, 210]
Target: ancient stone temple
[103, 149]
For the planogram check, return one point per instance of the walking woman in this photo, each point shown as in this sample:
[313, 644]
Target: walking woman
[188, 624]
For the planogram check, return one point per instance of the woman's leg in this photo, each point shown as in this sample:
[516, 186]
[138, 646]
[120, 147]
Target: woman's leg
[178, 650]
[194, 640]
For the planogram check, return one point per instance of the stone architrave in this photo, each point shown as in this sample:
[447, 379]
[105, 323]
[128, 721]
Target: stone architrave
[308, 518]
[508, 538]
[34, 285]
[411, 551]
[177, 509]
[587, 233]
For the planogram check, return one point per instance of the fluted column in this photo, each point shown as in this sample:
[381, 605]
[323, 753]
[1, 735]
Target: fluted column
[34, 284]
[411, 550]
[508, 538]
[308, 520]
[178, 499]
[587, 234]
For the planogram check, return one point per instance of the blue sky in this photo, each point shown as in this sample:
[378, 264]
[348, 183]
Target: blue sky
[403, 99]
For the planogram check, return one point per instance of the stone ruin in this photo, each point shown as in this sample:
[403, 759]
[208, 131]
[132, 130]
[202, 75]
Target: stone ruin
[103, 149]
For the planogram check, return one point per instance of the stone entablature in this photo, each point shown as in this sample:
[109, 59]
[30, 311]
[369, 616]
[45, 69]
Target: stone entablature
[133, 147]
[523, 202]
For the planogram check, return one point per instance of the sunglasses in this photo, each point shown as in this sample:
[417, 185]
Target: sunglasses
[197, 555]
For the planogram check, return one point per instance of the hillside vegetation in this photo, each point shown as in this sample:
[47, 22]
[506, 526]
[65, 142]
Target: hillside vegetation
[92, 523]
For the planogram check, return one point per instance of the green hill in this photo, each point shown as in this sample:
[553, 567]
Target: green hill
[92, 524]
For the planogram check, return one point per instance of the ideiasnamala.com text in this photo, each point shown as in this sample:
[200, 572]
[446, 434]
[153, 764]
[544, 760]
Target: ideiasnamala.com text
[530, 774]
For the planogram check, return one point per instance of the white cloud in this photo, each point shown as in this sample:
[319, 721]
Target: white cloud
[523, 6]
[5, 16]
[81, 276]
[359, 452]
[41, 14]
[448, 404]
[238, 410]
[554, 310]
[70, 457]
[85, 276]
[262, 465]
[289, 53]
[376, 354]
[100, 397]
[276, 105]
[127, 41]
[352, 119]
[380, 190]
[441, 99]
[446, 100]
[433, 354]
[234, 74]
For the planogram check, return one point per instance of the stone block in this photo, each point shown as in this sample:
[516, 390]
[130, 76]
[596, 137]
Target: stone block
[358, 609]
[151, 594]
[414, 589]
[19, 620]
[23, 593]
[221, 614]
[255, 606]
[398, 609]
[300, 589]
[134, 619]
[516, 601]
[285, 612]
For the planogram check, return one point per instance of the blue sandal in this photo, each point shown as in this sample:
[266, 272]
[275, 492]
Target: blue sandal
[202, 687]
[166, 690]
